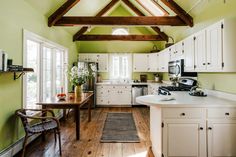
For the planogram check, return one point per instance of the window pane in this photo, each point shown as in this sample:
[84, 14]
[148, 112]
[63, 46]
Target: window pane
[59, 71]
[47, 73]
[32, 94]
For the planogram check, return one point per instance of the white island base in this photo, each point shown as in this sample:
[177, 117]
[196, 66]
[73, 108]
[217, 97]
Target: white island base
[192, 126]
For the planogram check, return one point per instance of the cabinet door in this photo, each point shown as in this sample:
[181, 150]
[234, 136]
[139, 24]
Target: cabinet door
[92, 57]
[200, 51]
[164, 58]
[179, 50]
[113, 97]
[189, 54]
[124, 97]
[184, 138]
[140, 62]
[221, 138]
[153, 62]
[214, 48]
[102, 62]
[83, 57]
[172, 52]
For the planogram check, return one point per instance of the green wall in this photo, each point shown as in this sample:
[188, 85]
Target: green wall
[16, 15]
[205, 14]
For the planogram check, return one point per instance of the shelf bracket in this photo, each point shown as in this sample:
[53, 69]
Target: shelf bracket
[18, 76]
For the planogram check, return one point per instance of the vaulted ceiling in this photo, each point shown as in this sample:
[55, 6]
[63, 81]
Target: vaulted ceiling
[92, 7]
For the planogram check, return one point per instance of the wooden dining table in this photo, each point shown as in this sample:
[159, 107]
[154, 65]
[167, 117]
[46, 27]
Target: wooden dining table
[71, 103]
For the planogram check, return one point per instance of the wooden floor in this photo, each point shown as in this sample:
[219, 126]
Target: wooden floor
[89, 145]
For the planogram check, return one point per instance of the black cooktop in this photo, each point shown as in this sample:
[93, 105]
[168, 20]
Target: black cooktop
[174, 88]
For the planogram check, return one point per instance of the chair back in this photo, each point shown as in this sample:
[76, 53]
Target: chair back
[23, 116]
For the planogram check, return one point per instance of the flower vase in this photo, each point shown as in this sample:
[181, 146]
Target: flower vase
[78, 91]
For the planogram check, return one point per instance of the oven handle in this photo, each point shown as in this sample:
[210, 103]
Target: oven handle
[178, 66]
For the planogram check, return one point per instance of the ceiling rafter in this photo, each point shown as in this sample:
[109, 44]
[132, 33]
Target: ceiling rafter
[120, 20]
[100, 13]
[60, 12]
[139, 13]
[119, 38]
[179, 11]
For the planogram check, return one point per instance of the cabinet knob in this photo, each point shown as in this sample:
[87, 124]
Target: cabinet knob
[203, 63]
[209, 63]
[182, 114]
[227, 113]
[201, 128]
[209, 128]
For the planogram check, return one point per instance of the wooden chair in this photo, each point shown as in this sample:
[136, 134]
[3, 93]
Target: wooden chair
[47, 123]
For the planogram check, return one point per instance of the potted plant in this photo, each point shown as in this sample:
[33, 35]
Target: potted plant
[78, 77]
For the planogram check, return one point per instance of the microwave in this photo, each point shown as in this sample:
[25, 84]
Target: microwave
[176, 69]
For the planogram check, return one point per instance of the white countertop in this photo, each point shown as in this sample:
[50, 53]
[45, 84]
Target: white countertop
[183, 99]
[127, 84]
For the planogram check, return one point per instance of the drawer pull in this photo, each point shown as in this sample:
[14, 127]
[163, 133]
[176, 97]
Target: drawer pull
[209, 128]
[201, 128]
[227, 113]
[182, 114]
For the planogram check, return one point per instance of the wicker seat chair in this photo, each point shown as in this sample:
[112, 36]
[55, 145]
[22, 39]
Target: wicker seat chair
[47, 123]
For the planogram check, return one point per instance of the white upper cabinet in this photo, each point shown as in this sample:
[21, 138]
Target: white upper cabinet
[102, 62]
[172, 51]
[153, 60]
[100, 58]
[189, 54]
[200, 51]
[140, 62]
[214, 47]
[164, 58]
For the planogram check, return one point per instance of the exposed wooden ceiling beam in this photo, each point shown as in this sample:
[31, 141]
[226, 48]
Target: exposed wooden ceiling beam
[120, 37]
[179, 11]
[124, 21]
[139, 13]
[100, 13]
[60, 12]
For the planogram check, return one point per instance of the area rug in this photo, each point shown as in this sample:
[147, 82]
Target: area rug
[119, 128]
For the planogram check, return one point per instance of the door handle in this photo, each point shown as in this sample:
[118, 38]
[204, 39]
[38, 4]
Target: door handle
[209, 128]
[201, 128]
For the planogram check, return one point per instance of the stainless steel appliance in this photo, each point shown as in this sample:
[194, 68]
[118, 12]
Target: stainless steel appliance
[184, 84]
[176, 69]
[90, 85]
[138, 90]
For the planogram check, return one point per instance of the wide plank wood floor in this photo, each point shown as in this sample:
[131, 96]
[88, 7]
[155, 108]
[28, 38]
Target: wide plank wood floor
[89, 144]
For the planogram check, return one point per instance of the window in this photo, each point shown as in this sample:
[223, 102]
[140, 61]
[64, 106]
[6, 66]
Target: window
[120, 31]
[152, 7]
[120, 66]
[49, 61]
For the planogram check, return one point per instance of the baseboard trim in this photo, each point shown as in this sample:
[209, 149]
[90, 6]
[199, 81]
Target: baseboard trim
[17, 146]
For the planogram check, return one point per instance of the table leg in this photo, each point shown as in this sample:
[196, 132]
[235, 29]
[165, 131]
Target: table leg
[89, 109]
[77, 121]
[44, 114]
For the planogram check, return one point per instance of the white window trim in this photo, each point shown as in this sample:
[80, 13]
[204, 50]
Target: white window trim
[27, 35]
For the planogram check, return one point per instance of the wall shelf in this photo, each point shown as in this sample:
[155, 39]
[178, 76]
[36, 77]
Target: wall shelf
[18, 74]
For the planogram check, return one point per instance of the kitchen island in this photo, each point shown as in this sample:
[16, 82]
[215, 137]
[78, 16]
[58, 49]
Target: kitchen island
[191, 126]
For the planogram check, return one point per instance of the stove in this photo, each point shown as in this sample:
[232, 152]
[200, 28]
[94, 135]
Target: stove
[183, 85]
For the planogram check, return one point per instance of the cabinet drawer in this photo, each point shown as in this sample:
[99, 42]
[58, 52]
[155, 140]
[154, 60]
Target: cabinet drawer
[221, 113]
[121, 87]
[102, 100]
[193, 113]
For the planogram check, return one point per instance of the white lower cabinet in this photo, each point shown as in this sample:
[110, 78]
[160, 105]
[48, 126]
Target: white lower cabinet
[193, 132]
[113, 95]
[184, 138]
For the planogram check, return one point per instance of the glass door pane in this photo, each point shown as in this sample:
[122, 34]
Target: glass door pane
[32, 78]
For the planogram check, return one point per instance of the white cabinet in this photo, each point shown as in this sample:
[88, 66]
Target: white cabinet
[189, 54]
[221, 132]
[113, 95]
[184, 138]
[153, 60]
[184, 128]
[214, 47]
[221, 138]
[140, 62]
[164, 58]
[102, 60]
[200, 51]
[176, 51]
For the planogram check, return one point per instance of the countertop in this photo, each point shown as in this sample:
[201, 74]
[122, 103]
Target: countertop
[183, 99]
[127, 84]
